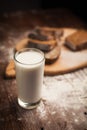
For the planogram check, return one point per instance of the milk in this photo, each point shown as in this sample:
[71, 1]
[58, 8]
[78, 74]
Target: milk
[29, 76]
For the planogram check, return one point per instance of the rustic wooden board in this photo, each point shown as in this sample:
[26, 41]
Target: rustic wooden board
[68, 61]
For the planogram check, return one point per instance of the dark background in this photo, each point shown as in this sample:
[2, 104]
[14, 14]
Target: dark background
[78, 7]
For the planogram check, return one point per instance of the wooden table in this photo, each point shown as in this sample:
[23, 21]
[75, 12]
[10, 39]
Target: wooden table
[64, 97]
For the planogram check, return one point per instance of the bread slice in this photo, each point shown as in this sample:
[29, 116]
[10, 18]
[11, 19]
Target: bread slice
[53, 55]
[45, 46]
[77, 41]
[50, 31]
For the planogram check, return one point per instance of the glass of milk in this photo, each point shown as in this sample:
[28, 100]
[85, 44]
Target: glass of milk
[29, 65]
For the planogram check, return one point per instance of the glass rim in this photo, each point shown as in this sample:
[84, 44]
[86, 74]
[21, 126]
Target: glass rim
[29, 49]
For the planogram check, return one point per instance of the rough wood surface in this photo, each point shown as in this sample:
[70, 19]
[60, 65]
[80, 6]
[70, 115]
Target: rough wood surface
[64, 97]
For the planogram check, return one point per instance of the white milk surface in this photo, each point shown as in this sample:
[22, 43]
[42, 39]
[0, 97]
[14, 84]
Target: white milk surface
[30, 57]
[29, 75]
